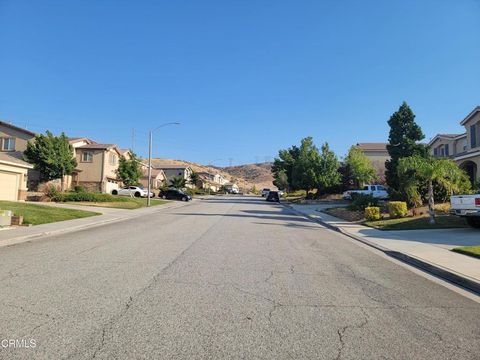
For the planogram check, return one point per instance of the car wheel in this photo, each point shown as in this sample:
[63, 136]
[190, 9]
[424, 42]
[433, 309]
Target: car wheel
[164, 197]
[184, 198]
[114, 192]
[137, 194]
[473, 221]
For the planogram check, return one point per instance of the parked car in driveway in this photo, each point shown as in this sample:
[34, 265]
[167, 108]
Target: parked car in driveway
[377, 191]
[136, 191]
[467, 206]
[265, 192]
[273, 196]
[174, 194]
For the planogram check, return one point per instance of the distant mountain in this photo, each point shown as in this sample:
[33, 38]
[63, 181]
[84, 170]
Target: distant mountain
[243, 175]
[259, 174]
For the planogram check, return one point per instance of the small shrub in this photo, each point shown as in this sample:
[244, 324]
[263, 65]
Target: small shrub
[79, 188]
[372, 213]
[361, 201]
[397, 209]
[443, 208]
[51, 191]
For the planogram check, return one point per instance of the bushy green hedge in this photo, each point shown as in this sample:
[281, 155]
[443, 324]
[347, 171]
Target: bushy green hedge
[361, 201]
[85, 196]
[372, 213]
[397, 209]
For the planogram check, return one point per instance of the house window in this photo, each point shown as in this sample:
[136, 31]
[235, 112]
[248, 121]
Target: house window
[465, 144]
[113, 159]
[8, 144]
[87, 156]
[447, 150]
[473, 136]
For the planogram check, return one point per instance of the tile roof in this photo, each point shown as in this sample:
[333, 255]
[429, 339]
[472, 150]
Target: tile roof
[17, 128]
[372, 146]
[15, 157]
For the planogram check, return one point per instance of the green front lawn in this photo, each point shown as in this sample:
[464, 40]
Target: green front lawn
[469, 250]
[121, 202]
[416, 223]
[34, 214]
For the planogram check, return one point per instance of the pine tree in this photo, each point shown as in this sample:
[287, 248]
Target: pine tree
[403, 142]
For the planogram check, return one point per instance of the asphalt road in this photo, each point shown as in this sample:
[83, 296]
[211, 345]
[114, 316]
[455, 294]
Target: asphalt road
[225, 278]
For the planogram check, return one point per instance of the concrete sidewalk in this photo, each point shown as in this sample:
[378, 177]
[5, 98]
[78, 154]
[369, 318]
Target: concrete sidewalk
[21, 234]
[428, 247]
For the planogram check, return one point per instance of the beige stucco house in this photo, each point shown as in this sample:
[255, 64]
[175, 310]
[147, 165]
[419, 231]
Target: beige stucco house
[378, 154]
[96, 166]
[14, 172]
[158, 177]
[172, 171]
[464, 148]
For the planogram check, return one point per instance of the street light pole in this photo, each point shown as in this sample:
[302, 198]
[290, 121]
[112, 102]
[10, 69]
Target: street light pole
[149, 167]
[150, 140]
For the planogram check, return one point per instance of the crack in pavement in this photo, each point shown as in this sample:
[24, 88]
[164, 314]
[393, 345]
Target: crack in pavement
[342, 330]
[114, 319]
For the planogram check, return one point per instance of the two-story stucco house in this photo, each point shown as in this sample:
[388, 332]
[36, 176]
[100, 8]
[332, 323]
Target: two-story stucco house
[464, 148]
[378, 154]
[96, 165]
[172, 171]
[14, 172]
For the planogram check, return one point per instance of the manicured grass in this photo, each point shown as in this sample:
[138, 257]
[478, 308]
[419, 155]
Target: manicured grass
[122, 202]
[469, 250]
[41, 214]
[416, 223]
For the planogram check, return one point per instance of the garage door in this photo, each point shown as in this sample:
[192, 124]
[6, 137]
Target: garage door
[110, 186]
[8, 186]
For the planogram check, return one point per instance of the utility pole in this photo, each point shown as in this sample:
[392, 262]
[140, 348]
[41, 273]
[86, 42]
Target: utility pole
[133, 138]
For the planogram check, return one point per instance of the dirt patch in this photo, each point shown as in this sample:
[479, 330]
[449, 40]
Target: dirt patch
[345, 214]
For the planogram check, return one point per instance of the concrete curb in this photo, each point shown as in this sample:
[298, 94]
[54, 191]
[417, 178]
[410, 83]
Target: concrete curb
[71, 229]
[449, 275]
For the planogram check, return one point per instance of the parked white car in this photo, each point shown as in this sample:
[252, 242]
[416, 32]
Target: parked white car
[377, 191]
[136, 191]
[467, 206]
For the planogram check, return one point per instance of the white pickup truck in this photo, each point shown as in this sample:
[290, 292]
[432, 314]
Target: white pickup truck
[467, 206]
[377, 191]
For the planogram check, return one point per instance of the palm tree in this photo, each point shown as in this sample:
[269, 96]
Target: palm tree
[178, 182]
[430, 170]
[194, 177]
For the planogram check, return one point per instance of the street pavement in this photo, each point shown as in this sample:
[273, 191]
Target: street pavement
[224, 278]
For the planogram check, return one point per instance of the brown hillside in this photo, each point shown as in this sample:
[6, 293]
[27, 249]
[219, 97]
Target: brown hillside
[244, 175]
[258, 174]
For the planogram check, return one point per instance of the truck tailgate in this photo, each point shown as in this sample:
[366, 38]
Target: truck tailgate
[464, 202]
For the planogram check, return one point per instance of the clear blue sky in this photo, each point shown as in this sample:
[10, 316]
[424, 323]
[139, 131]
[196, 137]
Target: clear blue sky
[244, 78]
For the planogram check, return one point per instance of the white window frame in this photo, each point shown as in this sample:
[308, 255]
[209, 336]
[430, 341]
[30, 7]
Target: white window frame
[8, 140]
[87, 153]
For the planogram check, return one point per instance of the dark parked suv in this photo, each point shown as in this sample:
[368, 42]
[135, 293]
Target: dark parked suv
[273, 196]
[174, 194]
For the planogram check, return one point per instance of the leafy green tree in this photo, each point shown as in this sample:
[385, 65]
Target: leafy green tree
[327, 175]
[52, 156]
[178, 182]
[194, 178]
[284, 165]
[129, 170]
[429, 170]
[403, 142]
[359, 167]
[281, 180]
[306, 166]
